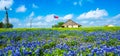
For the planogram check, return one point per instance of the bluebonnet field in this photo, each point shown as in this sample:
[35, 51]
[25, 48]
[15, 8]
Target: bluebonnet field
[60, 42]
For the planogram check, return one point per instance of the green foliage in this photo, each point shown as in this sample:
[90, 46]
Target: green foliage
[17, 38]
[86, 29]
[40, 53]
[88, 39]
[72, 34]
[2, 37]
[30, 39]
[58, 52]
[8, 25]
[10, 52]
[49, 45]
[1, 25]
[63, 35]
[111, 42]
[58, 25]
[5, 25]
[72, 43]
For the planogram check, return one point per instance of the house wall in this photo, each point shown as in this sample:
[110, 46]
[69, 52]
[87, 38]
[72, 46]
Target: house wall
[70, 26]
[75, 26]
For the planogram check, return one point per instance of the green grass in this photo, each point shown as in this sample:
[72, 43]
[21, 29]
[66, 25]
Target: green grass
[88, 29]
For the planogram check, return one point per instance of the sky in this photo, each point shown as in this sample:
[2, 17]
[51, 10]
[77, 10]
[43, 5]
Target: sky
[41, 12]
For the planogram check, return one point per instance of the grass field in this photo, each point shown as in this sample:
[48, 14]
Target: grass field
[84, 41]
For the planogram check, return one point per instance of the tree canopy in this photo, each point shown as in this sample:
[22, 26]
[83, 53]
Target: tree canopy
[2, 25]
[59, 24]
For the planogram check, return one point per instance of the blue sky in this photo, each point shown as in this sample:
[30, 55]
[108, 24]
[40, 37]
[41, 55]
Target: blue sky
[41, 12]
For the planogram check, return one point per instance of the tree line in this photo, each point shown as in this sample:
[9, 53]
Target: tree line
[58, 25]
[2, 25]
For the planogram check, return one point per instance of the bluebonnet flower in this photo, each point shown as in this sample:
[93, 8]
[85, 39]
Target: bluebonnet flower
[71, 53]
[89, 46]
[17, 53]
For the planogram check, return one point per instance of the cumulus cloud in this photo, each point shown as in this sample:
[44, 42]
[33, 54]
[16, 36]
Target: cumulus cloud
[49, 18]
[34, 6]
[32, 18]
[41, 21]
[69, 16]
[101, 22]
[22, 8]
[5, 3]
[16, 22]
[37, 24]
[96, 14]
[35, 21]
[39, 17]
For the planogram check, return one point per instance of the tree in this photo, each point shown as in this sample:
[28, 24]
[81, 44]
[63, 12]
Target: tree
[58, 25]
[1, 24]
[8, 25]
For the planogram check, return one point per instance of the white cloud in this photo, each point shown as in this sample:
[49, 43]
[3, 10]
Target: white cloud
[49, 18]
[69, 16]
[31, 14]
[84, 22]
[117, 16]
[36, 19]
[39, 17]
[93, 14]
[38, 24]
[14, 20]
[22, 8]
[81, 2]
[74, 3]
[34, 6]
[91, 23]
[5, 3]
[33, 20]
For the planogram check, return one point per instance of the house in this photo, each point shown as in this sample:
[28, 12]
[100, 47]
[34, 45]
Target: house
[70, 24]
[110, 25]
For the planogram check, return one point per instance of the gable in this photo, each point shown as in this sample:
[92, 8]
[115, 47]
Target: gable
[70, 22]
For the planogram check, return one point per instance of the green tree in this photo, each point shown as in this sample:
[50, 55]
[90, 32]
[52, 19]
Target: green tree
[1, 24]
[59, 24]
[8, 25]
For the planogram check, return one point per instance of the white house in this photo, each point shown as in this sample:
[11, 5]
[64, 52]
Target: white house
[110, 25]
[70, 24]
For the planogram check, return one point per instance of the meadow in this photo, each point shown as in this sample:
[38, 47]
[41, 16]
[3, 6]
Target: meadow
[84, 41]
